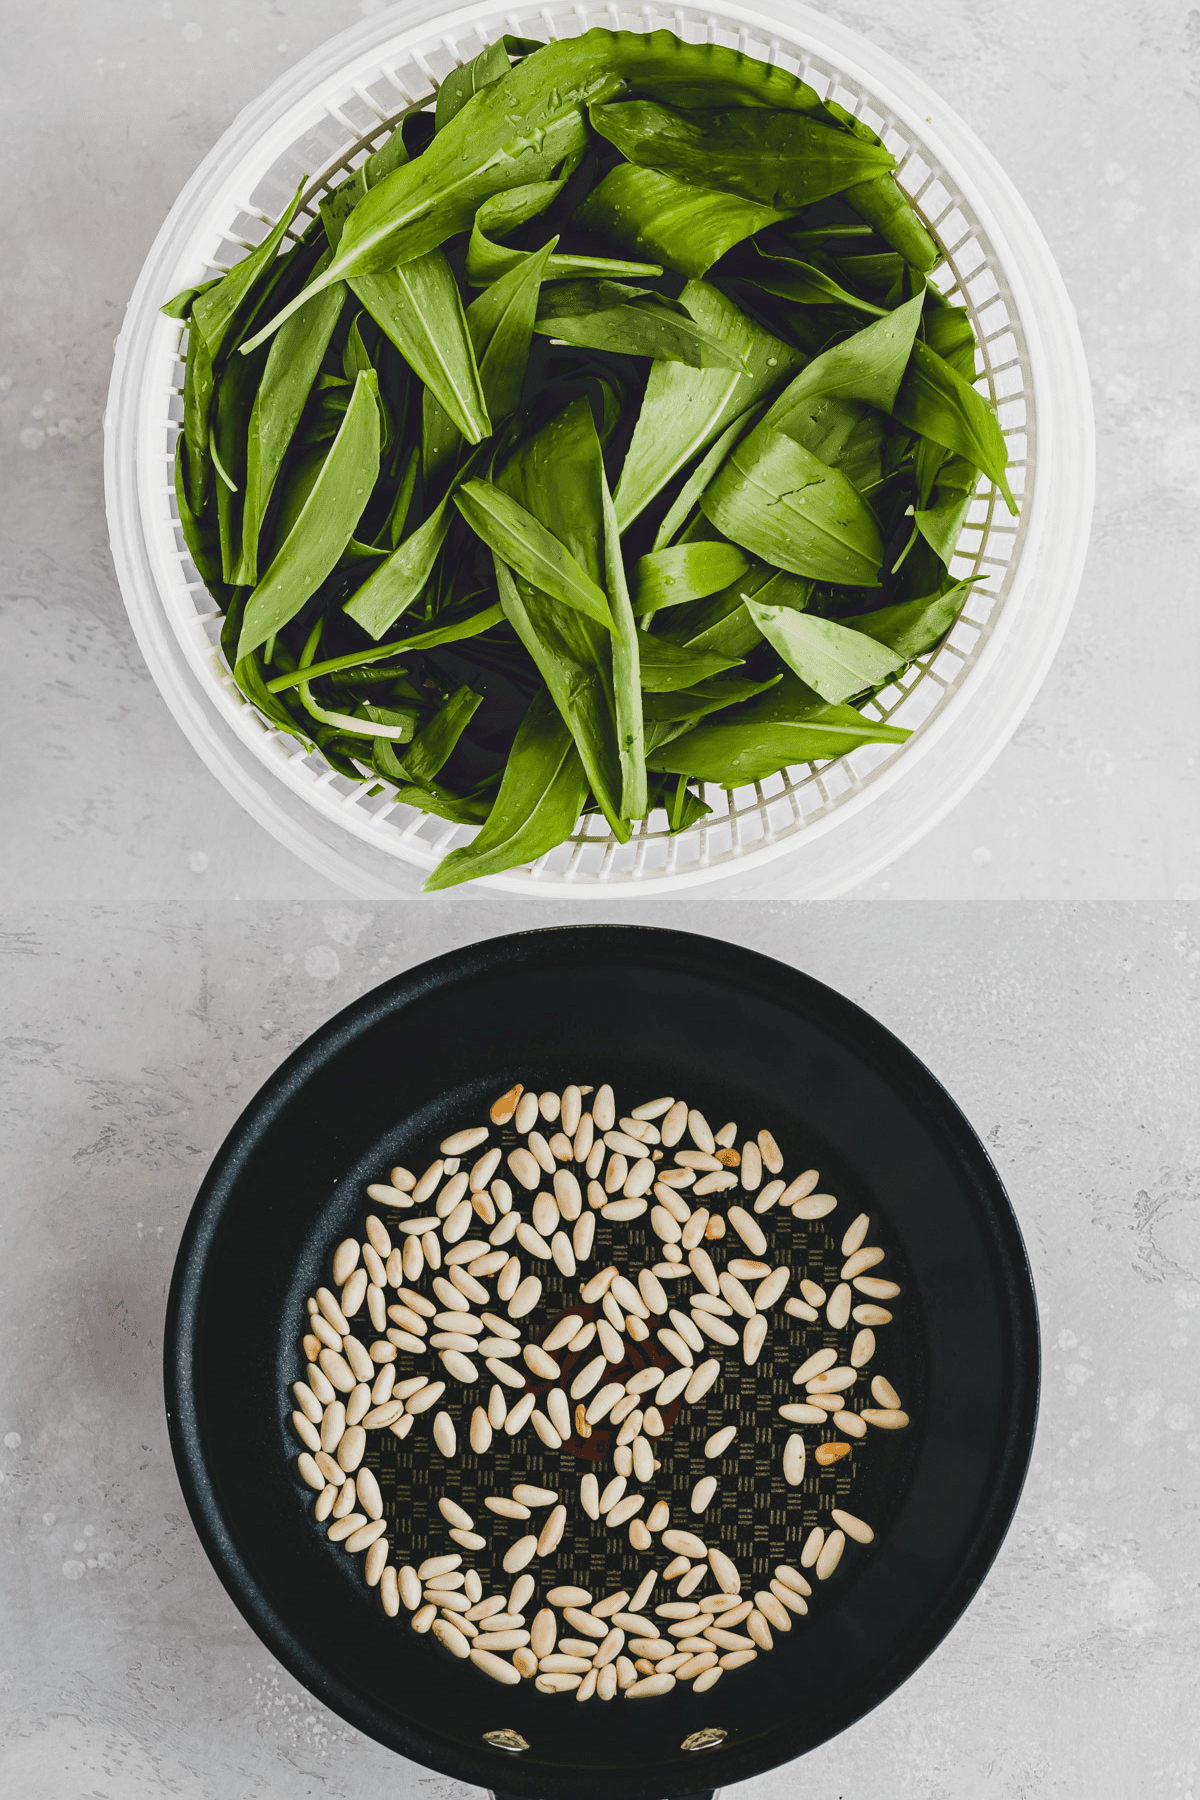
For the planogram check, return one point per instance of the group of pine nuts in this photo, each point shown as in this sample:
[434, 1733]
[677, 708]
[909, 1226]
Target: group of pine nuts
[352, 1387]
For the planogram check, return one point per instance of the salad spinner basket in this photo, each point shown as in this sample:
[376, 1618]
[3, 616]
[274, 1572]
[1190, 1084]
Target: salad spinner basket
[816, 829]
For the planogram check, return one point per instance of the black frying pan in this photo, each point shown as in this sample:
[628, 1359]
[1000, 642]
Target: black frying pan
[748, 1038]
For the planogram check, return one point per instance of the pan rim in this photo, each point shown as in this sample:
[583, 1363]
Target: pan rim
[788, 988]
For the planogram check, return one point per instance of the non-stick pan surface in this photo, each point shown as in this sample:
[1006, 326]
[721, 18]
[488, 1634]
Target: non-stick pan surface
[656, 1012]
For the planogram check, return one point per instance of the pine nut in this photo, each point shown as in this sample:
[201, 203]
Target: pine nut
[366, 1535]
[885, 1418]
[501, 1111]
[559, 1413]
[443, 1433]
[344, 1527]
[624, 1510]
[509, 1277]
[800, 1309]
[862, 1349]
[830, 1556]
[518, 1415]
[518, 1554]
[748, 1229]
[526, 1297]
[542, 1365]
[604, 1110]
[598, 1285]
[307, 1401]
[770, 1290]
[769, 1196]
[648, 1686]
[525, 1167]
[838, 1310]
[702, 1493]
[369, 1496]
[724, 1570]
[817, 1206]
[701, 1380]
[497, 1407]
[886, 1395]
[425, 1397]
[451, 1637]
[871, 1315]
[793, 1460]
[352, 1448]
[552, 1531]
[459, 1142]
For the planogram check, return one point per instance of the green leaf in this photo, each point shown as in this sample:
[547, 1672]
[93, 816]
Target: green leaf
[781, 502]
[519, 129]
[803, 283]
[234, 401]
[513, 534]
[248, 676]
[200, 537]
[396, 583]
[419, 308]
[782, 160]
[558, 476]
[490, 65]
[916, 626]
[790, 725]
[607, 315]
[939, 404]
[337, 207]
[835, 661]
[884, 205]
[541, 797]
[180, 307]
[215, 311]
[868, 366]
[670, 221]
[666, 667]
[511, 133]
[434, 743]
[685, 572]
[626, 667]
[500, 322]
[421, 640]
[291, 368]
[325, 523]
[685, 410]
[941, 522]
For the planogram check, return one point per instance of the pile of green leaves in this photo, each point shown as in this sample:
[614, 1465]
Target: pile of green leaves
[602, 437]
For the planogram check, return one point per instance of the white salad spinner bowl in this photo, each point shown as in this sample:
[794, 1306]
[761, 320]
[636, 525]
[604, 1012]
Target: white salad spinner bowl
[819, 828]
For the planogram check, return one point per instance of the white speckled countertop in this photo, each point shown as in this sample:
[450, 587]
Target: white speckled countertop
[1039, 949]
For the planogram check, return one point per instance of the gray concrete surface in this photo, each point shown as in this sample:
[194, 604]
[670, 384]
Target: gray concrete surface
[161, 955]
[135, 1036]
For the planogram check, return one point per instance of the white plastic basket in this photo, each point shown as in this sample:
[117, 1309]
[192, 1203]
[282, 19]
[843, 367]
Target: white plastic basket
[836, 822]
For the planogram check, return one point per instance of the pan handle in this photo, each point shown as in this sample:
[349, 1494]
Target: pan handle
[705, 1794]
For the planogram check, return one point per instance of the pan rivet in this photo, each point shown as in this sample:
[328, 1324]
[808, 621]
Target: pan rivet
[512, 1740]
[707, 1739]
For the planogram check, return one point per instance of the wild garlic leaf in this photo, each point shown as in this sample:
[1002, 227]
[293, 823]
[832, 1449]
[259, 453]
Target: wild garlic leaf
[684, 572]
[324, 524]
[779, 501]
[791, 724]
[665, 667]
[938, 403]
[834, 660]
[541, 796]
[915, 626]
[419, 307]
[670, 221]
[512, 533]
[684, 410]
[609, 315]
[782, 160]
